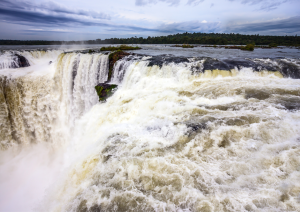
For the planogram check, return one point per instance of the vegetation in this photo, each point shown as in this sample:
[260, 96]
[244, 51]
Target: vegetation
[184, 46]
[116, 48]
[273, 45]
[248, 47]
[186, 38]
[232, 47]
[105, 90]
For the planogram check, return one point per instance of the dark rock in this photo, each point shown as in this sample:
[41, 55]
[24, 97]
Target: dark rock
[240, 64]
[105, 90]
[113, 58]
[289, 69]
[213, 64]
[21, 61]
[166, 59]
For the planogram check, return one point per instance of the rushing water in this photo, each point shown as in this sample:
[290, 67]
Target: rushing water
[181, 133]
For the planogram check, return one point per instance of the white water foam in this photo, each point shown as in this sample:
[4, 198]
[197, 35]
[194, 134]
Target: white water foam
[167, 140]
[171, 141]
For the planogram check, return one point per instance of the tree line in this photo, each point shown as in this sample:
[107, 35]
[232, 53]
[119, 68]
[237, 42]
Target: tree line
[183, 38]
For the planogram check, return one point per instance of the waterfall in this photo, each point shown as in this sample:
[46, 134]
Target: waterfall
[179, 134]
[170, 140]
[43, 108]
[76, 77]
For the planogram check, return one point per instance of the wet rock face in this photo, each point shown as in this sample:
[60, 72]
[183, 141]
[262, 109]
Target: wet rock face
[165, 59]
[289, 69]
[215, 64]
[286, 68]
[113, 58]
[105, 90]
[21, 61]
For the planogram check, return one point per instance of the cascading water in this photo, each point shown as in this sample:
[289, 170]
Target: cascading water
[183, 134]
[32, 106]
[39, 105]
[76, 77]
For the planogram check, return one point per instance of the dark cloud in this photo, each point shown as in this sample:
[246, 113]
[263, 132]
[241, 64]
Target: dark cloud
[17, 13]
[194, 2]
[145, 2]
[190, 26]
[264, 4]
[34, 18]
[50, 7]
[289, 25]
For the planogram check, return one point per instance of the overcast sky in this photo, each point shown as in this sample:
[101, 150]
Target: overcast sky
[92, 19]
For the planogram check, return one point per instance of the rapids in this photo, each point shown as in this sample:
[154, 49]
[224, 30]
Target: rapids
[179, 134]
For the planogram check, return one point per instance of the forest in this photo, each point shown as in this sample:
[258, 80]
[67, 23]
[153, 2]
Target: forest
[183, 38]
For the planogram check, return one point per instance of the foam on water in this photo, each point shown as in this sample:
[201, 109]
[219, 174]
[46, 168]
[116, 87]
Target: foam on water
[171, 141]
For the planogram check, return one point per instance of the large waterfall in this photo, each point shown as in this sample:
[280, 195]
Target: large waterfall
[179, 134]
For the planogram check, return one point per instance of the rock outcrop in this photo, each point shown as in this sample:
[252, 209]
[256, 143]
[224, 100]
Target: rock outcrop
[20, 61]
[113, 58]
[105, 90]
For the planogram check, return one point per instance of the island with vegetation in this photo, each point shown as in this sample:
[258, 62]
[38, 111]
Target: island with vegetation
[184, 46]
[248, 47]
[121, 48]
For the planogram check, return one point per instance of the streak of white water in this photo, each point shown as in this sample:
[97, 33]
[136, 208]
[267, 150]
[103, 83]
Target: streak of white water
[8, 58]
[76, 77]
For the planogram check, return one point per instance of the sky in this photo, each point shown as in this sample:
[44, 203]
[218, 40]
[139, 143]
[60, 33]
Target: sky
[100, 19]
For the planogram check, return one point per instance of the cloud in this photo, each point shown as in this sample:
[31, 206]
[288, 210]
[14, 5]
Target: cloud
[170, 2]
[145, 2]
[266, 5]
[212, 4]
[50, 14]
[190, 26]
[33, 18]
[194, 2]
[289, 25]
[50, 7]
